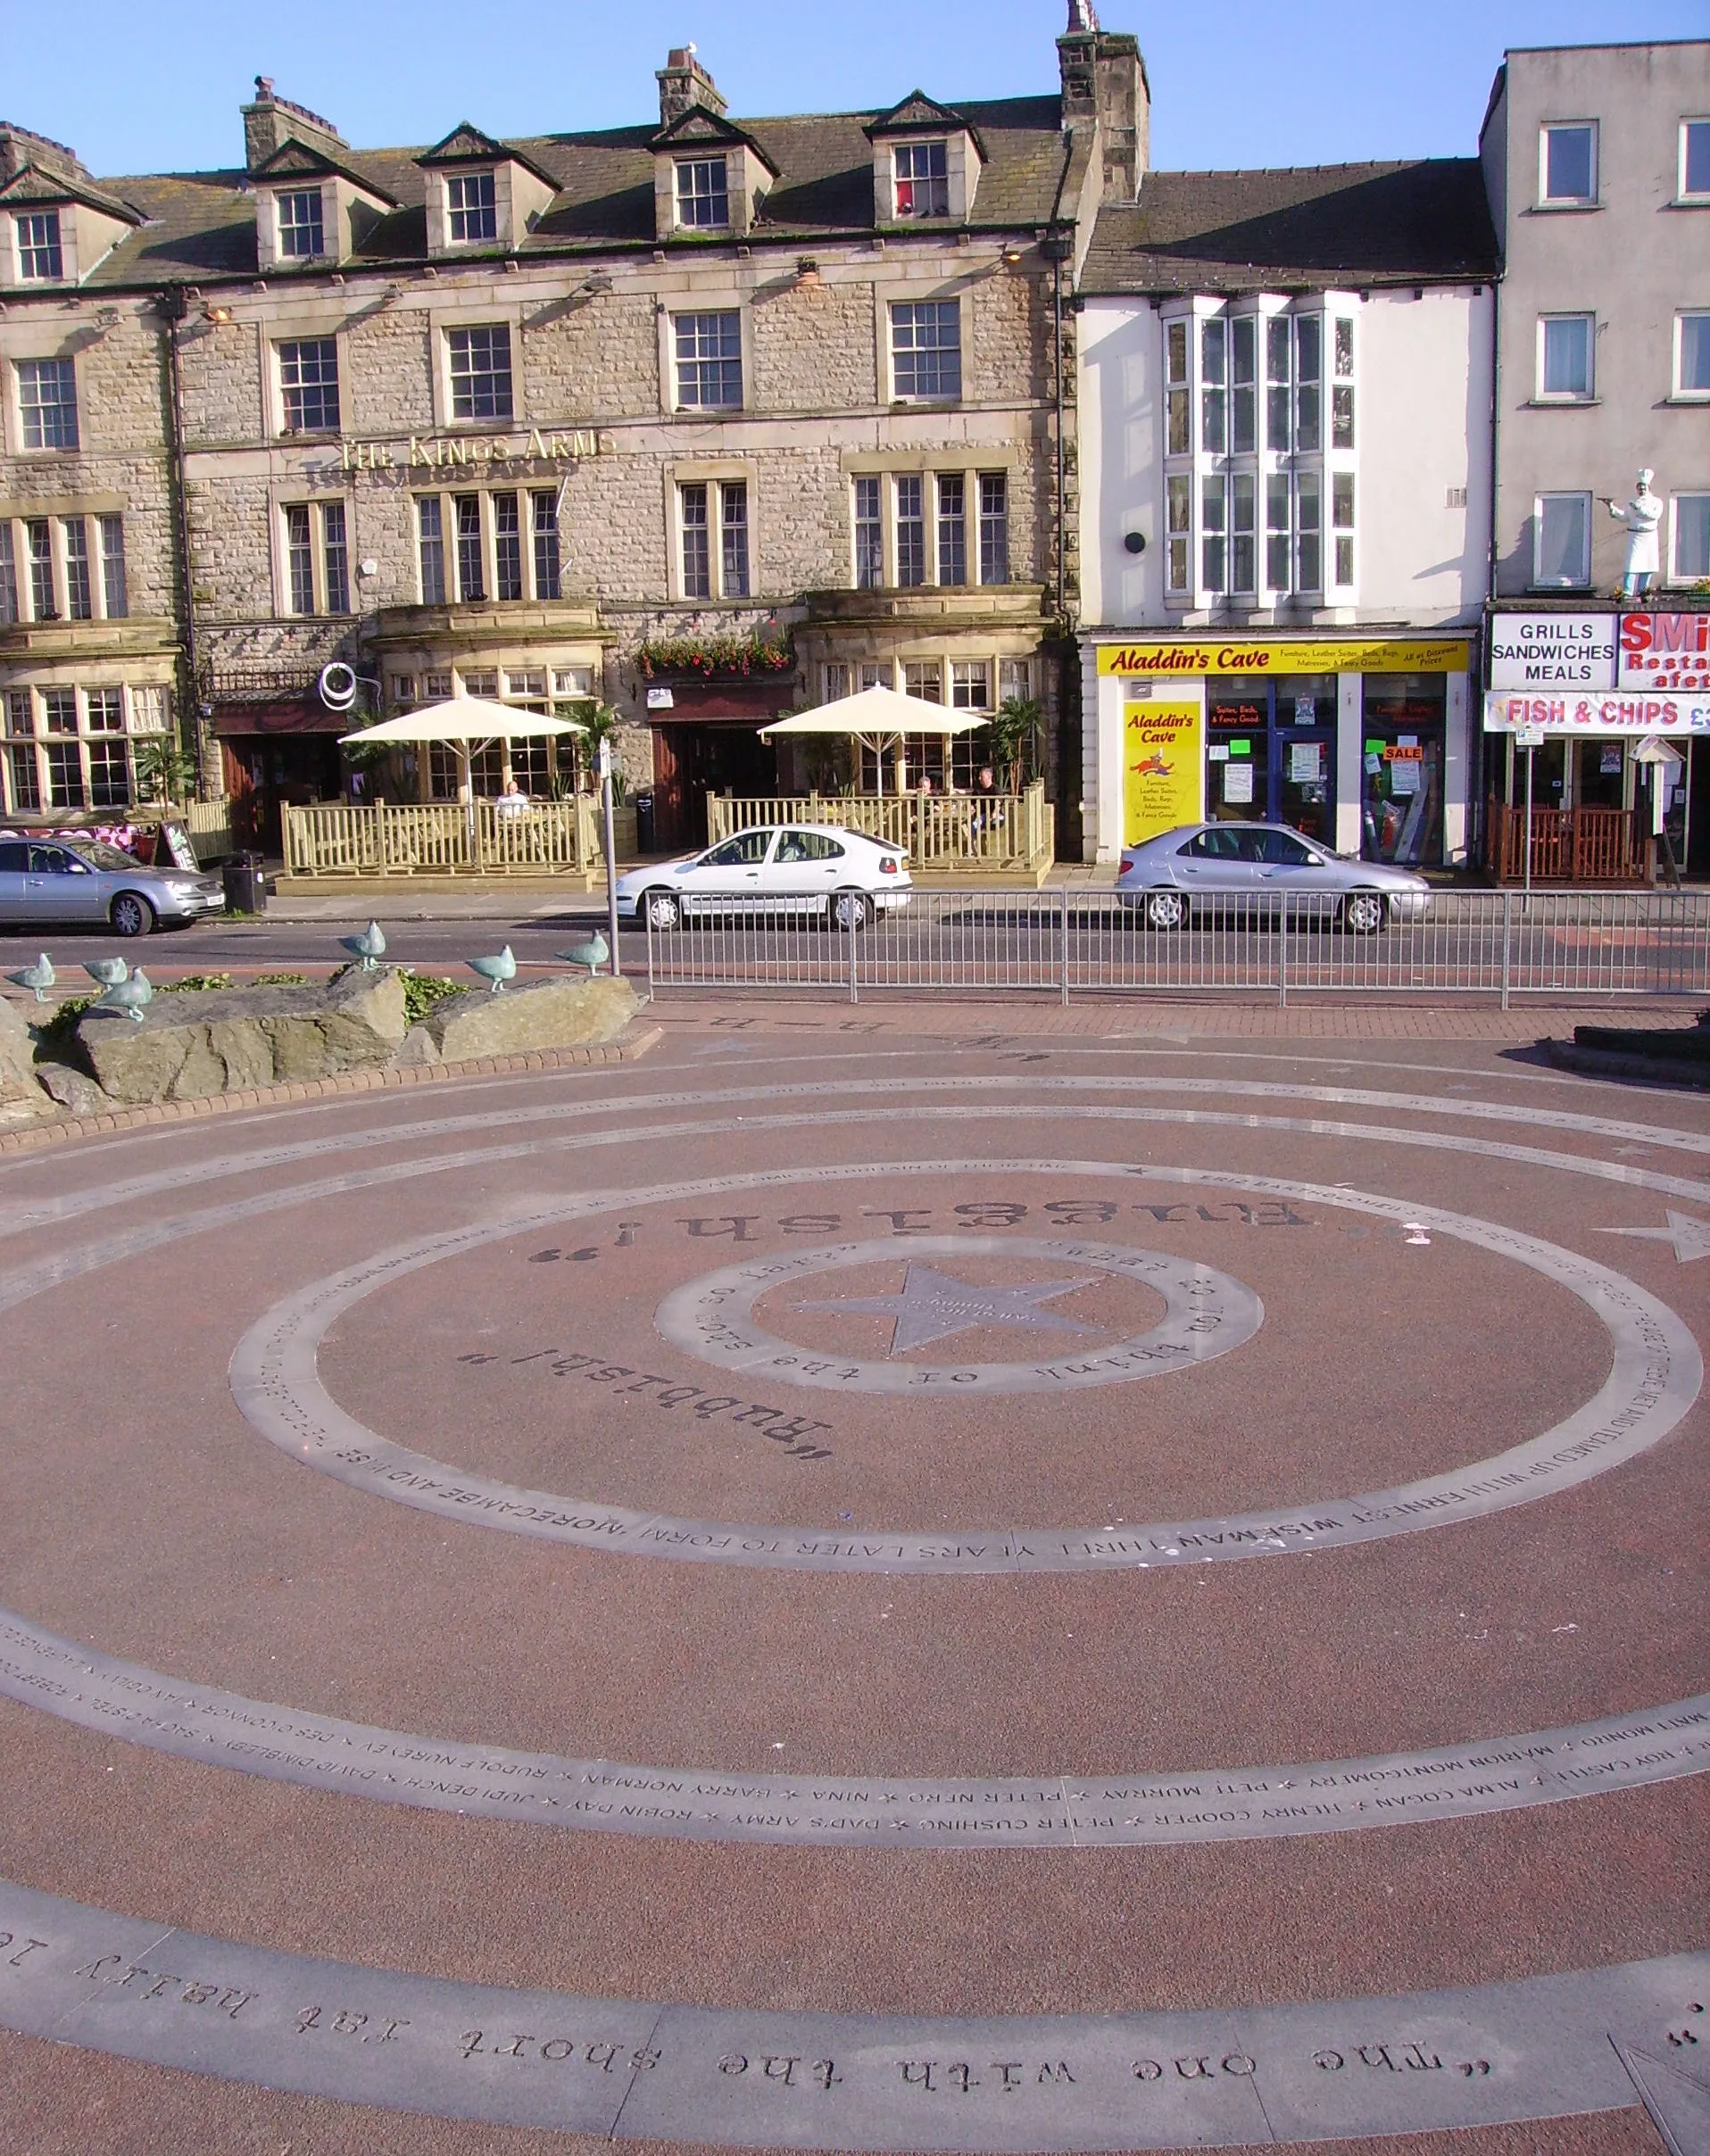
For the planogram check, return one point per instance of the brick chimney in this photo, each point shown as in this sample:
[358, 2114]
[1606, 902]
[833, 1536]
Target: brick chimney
[270, 121]
[683, 82]
[1106, 94]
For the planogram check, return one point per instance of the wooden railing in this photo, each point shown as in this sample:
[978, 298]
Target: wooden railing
[953, 833]
[1568, 845]
[209, 825]
[441, 838]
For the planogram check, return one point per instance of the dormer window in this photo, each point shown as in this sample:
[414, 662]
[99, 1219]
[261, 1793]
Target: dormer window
[923, 180]
[703, 194]
[41, 259]
[471, 207]
[303, 229]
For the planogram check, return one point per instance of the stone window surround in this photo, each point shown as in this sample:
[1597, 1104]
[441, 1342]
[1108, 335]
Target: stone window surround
[125, 675]
[968, 459]
[484, 488]
[56, 510]
[330, 319]
[720, 299]
[294, 492]
[37, 340]
[304, 184]
[1196, 599]
[474, 311]
[928, 287]
[16, 214]
[712, 471]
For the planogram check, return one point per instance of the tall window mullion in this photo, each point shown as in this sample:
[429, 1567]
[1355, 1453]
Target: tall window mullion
[115, 590]
[44, 595]
[300, 559]
[507, 547]
[870, 532]
[79, 592]
[697, 540]
[994, 527]
[334, 558]
[733, 529]
[430, 538]
[472, 569]
[911, 530]
[952, 528]
[543, 510]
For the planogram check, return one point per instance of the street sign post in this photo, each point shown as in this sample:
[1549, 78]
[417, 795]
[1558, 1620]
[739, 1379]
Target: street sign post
[1531, 739]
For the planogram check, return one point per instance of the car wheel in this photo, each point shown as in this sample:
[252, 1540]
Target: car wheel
[851, 909]
[660, 909]
[1165, 909]
[1363, 913]
[130, 915]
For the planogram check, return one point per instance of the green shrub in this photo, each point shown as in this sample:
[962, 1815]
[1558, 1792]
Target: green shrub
[280, 980]
[191, 982]
[421, 992]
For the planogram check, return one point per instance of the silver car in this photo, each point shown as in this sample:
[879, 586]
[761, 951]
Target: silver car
[59, 881]
[1258, 868]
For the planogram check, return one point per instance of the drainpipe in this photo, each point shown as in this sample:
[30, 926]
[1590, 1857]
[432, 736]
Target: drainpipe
[1057, 248]
[175, 306]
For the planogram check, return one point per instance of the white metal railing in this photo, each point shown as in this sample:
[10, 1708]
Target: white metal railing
[946, 832]
[1502, 944]
[442, 838]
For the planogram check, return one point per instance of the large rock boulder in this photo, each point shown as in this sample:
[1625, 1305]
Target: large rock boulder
[192, 1045]
[16, 1045]
[547, 1014]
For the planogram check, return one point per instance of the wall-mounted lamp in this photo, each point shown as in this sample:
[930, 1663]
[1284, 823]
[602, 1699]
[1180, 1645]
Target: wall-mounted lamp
[368, 568]
[807, 273]
[211, 313]
[1135, 542]
[1012, 255]
[596, 282]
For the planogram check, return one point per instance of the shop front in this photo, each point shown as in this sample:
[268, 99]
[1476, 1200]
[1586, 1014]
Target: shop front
[1574, 698]
[1360, 744]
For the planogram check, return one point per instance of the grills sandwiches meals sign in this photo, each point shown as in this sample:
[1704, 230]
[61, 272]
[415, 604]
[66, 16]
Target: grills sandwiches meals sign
[1553, 652]
[1669, 649]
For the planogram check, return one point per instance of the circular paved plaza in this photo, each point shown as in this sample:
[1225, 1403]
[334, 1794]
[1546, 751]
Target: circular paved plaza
[841, 1588]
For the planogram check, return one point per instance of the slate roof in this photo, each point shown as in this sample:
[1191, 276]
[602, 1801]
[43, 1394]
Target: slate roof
[1301, 228]
[202, 224]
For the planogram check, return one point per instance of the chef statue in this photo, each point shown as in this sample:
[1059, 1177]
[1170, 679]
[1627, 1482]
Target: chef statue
[1641, 516]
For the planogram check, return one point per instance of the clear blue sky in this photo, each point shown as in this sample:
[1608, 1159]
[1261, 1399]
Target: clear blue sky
[135, 88]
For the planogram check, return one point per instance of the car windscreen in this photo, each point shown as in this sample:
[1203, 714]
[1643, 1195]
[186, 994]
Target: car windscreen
[99, 855]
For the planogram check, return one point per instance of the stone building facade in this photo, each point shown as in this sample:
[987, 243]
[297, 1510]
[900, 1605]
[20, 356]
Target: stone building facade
[706, 420]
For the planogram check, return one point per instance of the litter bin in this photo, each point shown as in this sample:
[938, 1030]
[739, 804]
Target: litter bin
[246, 883]
[644, 823]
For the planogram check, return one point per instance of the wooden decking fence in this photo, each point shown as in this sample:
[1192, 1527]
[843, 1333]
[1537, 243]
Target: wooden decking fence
[1568, 845]
[946, 832]
[441, 838]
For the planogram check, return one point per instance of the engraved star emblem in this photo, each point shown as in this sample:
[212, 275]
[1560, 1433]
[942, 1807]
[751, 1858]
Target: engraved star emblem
[931, 1306]
[1689, 1237]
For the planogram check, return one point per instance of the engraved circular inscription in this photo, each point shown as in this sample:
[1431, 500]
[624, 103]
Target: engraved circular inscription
[1206, 1314]
[1655, 1377]
[625, 2069]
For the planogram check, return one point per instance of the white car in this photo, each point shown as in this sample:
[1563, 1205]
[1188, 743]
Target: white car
[801, 870]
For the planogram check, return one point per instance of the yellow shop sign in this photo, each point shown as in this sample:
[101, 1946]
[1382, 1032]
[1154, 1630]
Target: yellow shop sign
[1148, 659]
[1162, 762]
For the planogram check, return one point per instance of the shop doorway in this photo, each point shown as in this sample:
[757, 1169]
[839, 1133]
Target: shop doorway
[1271, 748]
[691, 761]
[267, 771]
[1402, 738]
